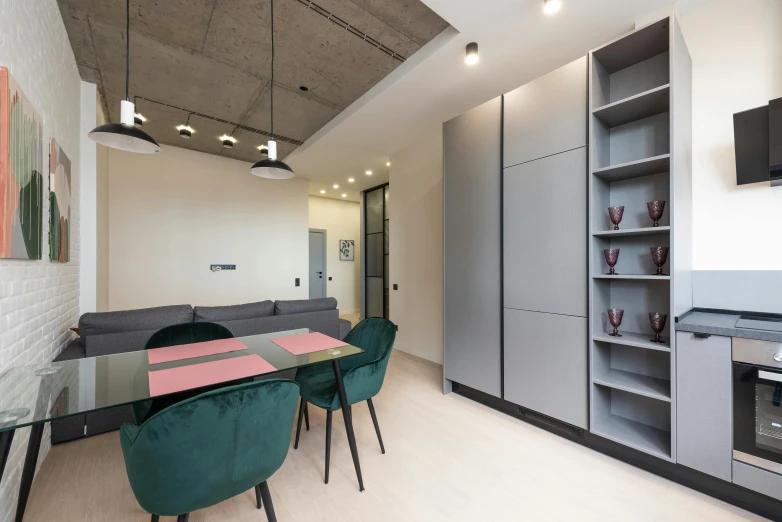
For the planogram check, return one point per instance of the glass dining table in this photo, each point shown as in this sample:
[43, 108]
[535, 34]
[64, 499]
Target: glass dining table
[36, 394]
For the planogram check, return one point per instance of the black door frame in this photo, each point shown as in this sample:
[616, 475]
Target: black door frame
[386, 282]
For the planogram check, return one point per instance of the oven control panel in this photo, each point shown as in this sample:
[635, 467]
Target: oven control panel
[761, 353]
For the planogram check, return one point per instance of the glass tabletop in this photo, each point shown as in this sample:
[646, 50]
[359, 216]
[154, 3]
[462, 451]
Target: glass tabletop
[44, 392]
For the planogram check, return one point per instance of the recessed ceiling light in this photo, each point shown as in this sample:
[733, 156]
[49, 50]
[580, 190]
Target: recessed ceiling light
[185, 131]
[471, 56]
[388, 163]
[344, 195]
[322, 191]
[335, 185]
[351, 180]
[551, 6]
[369, 173]
[228, 141]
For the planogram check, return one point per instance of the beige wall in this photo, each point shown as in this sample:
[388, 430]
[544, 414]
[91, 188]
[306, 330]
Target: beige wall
[173, 214]
[416, 247]
[340, 220]
[102, 217]
[736, 50]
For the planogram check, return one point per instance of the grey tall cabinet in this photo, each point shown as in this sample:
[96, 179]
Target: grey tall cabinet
[471, 248]
[545, 245]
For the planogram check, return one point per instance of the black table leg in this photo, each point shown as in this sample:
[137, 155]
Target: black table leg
[28, 472]
[343, 399]
[6, 438]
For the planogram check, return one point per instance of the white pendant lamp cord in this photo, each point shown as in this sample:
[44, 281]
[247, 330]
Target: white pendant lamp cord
[271, 90]
[127, 50]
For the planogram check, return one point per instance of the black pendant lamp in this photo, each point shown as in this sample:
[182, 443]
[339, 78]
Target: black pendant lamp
[124, 135]
[271, 167]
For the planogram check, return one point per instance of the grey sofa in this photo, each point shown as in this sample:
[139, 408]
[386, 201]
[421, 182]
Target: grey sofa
[107, 333]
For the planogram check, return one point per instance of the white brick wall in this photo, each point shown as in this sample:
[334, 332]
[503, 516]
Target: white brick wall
[39, 300]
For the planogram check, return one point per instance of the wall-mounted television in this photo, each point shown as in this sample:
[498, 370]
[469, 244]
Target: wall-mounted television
[758, 140]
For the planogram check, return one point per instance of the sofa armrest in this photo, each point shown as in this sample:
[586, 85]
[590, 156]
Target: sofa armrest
[74, 350]
[344, 328]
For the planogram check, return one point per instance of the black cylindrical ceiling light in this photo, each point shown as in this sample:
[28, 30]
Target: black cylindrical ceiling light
[271, 167]
[228, 141]
[125, 135]
[139, 119]
[471, 54]
[186, 131]
[264, 150]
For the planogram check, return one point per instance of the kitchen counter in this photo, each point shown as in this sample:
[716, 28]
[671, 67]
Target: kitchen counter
[721, 323]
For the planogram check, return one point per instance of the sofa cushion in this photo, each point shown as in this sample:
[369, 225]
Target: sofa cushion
[325, 322]
[304, 305]
[120, 342]
[231, 313]
[132, 320]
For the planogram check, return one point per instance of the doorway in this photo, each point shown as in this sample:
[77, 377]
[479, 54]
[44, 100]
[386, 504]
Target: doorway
[317, 263]
[376, 252]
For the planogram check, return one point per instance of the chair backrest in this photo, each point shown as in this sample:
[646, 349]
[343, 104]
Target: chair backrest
[187, 333]
[207, 449]
[375, 336]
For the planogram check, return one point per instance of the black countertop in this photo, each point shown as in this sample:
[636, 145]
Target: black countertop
[722, 322]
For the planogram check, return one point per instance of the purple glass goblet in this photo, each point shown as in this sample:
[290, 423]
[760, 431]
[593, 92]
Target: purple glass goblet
[659, 256]
[656, 211]
[615, 318]
[616, 213]
[658, 324]
[612, 256]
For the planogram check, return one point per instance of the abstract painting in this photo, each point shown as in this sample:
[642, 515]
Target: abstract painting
[346, 249]
[21, 173]
[59, 204]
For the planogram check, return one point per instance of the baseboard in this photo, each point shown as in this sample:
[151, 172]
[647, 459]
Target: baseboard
[727, 492]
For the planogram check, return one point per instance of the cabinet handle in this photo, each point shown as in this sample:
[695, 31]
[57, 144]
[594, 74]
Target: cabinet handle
[702, 335]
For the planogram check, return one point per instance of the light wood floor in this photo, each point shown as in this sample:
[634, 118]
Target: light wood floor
[448, 459]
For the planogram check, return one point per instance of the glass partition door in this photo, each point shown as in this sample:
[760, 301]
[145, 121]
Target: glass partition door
[376, 252]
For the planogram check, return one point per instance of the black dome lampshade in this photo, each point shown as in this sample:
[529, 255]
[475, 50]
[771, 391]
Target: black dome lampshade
[125, 135]
[271, 167]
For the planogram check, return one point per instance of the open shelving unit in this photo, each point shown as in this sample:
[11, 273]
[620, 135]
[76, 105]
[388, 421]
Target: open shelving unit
[639, 124]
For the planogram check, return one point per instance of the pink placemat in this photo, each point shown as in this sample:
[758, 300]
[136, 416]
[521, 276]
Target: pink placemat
[174, 380]
[307, 343]
[188, 351]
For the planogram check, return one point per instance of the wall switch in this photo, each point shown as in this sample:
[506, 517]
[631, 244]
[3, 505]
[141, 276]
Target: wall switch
[298, 282]
[218, 268]
[396, 286]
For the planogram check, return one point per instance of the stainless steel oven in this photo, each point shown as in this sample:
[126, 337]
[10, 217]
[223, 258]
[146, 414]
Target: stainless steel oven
[757, 403]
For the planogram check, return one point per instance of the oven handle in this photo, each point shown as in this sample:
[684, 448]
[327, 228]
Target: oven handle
[769, 376]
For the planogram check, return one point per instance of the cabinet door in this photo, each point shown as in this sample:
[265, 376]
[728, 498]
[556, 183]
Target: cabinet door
[471, 248]
[545, 234]
[704, 414]
[546, 364]
[547, 115]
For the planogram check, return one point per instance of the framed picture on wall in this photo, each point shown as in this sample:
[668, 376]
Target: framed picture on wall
[346, 247]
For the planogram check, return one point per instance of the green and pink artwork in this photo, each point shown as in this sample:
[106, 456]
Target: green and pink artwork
[21, 173]
[59, 204]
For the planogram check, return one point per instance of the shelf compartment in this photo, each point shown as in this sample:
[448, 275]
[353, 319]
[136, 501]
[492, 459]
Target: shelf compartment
[633, 339]
[633, 277]
[648, 103]
[635, 259]
[642, 372]
[630, 232]
[635, 169]
[637, 421]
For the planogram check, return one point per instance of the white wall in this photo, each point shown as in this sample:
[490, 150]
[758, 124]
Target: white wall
[88, 274]
[102, 218]
[173, 214]
[39, 300]
[340, 220]
[736, 50]
[416, 247]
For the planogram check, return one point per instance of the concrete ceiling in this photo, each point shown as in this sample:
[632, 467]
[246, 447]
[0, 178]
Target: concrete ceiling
[212, 57]
[518, 43]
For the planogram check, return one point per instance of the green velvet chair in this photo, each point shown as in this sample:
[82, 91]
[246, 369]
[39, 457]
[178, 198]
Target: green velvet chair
[175, 335]
[362, 375]
[210, 448]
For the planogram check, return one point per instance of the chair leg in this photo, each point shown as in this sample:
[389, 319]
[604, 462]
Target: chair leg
[328, 443]
[267, 502]
[258, 496]
[377, 426]
[306, 416]
[155, 518]
[183, 518]
[298, 426]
